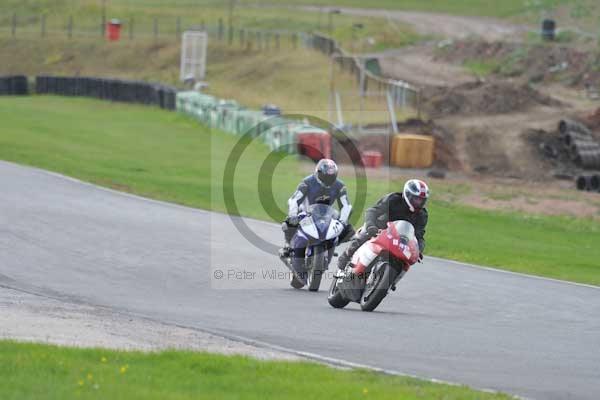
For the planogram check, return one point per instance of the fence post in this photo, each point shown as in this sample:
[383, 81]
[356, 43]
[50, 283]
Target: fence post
[70, 27]
[43, 27]
[178, 27]
[220, 33]
[103, 20]
[131, 22]
[230, 34]
[259, 40]
[242, 37]
[277, 41]
[268, 40]
[14, 25]
[295, 41]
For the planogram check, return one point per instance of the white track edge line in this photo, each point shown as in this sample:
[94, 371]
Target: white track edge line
[331, 361]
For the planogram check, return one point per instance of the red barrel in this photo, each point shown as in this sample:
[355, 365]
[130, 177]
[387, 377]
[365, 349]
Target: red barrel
[113, 30]
[372, 159]
[315, 146]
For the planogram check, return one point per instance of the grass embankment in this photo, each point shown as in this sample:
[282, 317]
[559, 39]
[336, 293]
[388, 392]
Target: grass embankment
[296, 80]
[170, 157]
[49, 372]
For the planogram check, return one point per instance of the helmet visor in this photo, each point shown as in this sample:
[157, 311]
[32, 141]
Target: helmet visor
[327, 179]
[417, 202]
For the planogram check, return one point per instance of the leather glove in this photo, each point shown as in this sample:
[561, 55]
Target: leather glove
[372, 231]
[420, 257]
[293, 220]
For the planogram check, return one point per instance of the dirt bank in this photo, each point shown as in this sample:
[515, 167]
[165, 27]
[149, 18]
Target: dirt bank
[483, 98]
[534, 63]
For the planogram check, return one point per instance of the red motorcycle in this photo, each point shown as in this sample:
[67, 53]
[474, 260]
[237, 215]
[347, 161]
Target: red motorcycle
[376, 267]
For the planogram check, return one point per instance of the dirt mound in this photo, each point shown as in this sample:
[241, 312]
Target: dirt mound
[483, 98]
[533, 62]
[593, 121]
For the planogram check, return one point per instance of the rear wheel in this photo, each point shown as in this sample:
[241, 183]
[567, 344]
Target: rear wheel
[335, 298]
[318, 267]
[377, 286]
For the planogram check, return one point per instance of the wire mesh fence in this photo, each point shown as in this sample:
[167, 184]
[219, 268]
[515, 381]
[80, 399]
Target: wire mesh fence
[131, 28]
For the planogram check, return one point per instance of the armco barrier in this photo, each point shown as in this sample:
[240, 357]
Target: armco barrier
[14, 85]
[109, 89]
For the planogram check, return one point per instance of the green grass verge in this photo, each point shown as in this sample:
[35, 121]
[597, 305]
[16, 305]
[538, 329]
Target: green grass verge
[34, 371]
[168, 156]
[482, 68]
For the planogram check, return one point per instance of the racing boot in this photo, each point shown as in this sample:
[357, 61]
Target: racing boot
[299, 275]
[343, 260]
[286, 251]
[346, 256]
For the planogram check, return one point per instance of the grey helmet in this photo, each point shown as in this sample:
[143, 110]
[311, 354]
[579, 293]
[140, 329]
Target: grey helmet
[326, 172]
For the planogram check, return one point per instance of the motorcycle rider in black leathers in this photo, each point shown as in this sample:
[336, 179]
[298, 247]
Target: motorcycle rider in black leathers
[408, 205]
[322, 187]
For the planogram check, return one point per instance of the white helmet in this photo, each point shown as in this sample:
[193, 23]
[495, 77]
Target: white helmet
[416, 193]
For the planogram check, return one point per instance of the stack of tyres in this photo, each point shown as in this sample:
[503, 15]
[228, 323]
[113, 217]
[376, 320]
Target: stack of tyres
[4, 86]
[584, 149]
[590, 183]
[41, 84]
[20, 85]
[95, 86]
[169, 98]
[14, 85]
[108, 89]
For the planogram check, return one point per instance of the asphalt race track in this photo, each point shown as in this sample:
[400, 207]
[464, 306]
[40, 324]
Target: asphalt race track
[488, 329]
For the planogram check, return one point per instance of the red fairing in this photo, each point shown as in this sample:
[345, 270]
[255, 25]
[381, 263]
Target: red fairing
[390, 240]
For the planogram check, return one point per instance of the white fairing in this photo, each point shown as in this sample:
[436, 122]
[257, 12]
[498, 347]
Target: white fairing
[335, 229]
[365, 254]
[309, 228]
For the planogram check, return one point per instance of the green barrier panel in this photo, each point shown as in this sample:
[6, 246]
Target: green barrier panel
[182, 101]
[204, 104]
[278, 133]
[223, 114]
[230, 119]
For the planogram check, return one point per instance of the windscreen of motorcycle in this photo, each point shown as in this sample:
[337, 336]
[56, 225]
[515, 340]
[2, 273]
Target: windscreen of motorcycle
[404, 230]
[321, 217]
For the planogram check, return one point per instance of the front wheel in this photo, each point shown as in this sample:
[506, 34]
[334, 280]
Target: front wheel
[380, 280]
[318, 267]
[335, 298]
